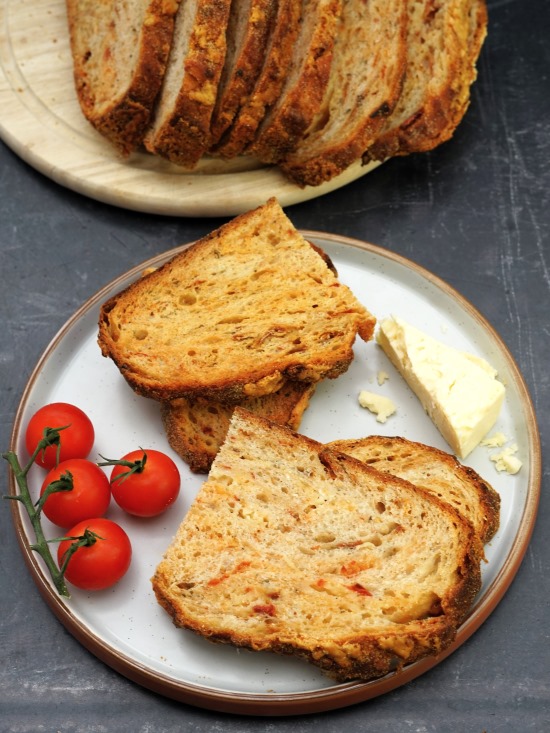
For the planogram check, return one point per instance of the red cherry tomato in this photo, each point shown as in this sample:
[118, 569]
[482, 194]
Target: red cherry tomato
[148, 489]
[76, 440]
[89, 496]
[102, 563]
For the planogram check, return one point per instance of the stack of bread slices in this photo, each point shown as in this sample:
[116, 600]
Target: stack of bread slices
[298, 548]
[359, 556]
[309, 85]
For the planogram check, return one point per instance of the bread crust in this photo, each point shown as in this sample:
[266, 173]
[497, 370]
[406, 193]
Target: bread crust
[122, 119]
[347, 605]
[196, 428]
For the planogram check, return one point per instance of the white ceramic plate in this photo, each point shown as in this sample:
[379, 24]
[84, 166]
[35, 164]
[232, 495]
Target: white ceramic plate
[42, 122]
[126, 628]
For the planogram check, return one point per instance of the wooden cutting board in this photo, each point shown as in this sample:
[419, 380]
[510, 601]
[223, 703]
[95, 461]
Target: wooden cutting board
[40, 119]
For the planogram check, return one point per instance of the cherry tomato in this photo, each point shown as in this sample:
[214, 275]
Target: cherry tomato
[89, 496]
[103, 562]
[146, 483]
[76, 440]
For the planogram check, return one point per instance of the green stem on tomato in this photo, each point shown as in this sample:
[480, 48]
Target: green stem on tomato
[137, 466]
[87, 539]
[40, 546]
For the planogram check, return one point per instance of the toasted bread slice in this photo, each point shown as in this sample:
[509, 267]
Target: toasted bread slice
[287, 121]
[443, 45]
[433, 470]
[119, 55]
[280, 46]
[250, 24]
[180, 130]
[197, 428]
[291, 547]
[365, 83]
[235, 315]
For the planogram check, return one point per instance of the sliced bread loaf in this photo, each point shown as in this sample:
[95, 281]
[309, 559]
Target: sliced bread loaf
[119, 52]
[235, 315]
[250, 24]
[308, 70]
[180, 129]
[279, 49]
[365, 82]
[290, 547]
[433, 470]
[196, 428]
[443, 44]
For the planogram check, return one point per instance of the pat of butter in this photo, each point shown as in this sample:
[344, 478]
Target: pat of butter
[458, 390]
[381, 406]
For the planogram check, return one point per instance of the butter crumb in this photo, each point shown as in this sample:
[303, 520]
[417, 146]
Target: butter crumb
[382, 377]
[497, 440]
[380, 406]
[506, 460]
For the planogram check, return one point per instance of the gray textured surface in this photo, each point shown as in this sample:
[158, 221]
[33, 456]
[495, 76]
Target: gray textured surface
[475, 212]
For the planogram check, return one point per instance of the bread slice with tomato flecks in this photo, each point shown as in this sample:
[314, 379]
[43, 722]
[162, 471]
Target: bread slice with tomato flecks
[269, 84]
[366, 78]
[250, 25]
[309, 65]
[180, 127]
[293, 548]
[236, 314]
[443, 45]
[120, 51]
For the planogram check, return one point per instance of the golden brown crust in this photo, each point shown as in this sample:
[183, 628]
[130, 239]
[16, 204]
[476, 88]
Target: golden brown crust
[124, 119]
[196, 428]
[440, 108]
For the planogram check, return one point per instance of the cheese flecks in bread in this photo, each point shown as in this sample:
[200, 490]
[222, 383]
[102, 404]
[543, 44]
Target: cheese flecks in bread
[235, 315]
[433, 470]
[291, 547]
[382, 407]
[458, 390]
